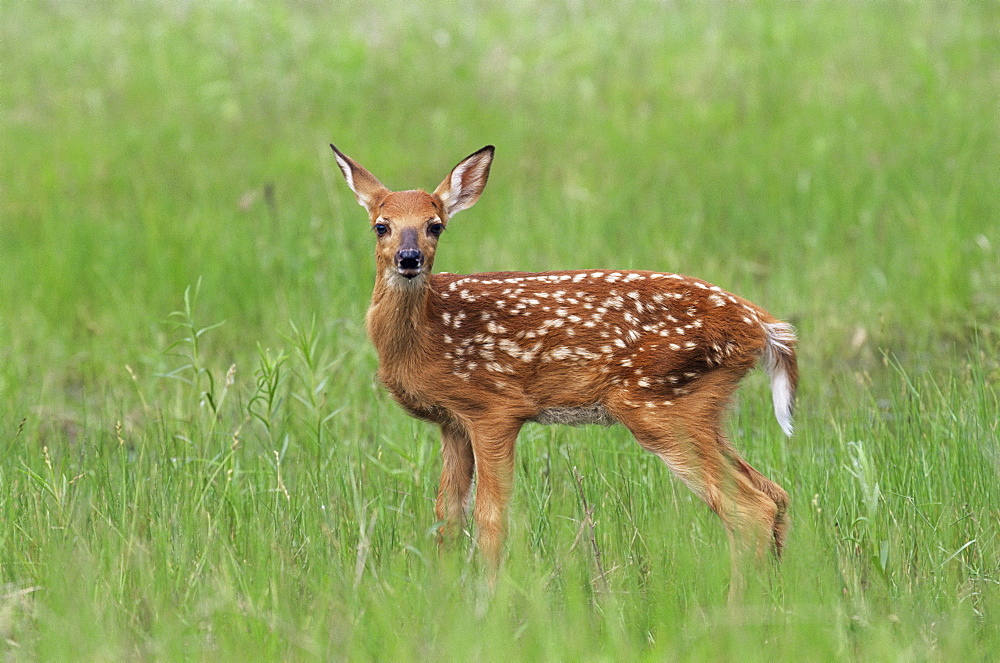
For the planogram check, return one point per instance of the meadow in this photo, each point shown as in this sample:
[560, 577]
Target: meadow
[196, 461]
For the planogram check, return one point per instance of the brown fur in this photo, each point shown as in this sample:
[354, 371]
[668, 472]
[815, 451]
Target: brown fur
[482, 354]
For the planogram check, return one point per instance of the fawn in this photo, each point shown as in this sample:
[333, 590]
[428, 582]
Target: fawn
[481, 354]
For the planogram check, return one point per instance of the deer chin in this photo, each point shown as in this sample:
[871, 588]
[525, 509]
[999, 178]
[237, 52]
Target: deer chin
[405, 279]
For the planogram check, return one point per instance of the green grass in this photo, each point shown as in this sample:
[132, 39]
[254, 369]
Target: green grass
[175, 489]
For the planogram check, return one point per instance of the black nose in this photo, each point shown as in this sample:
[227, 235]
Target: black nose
[408, 262]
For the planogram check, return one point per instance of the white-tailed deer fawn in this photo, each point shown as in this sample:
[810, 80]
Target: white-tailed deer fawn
[482, 354]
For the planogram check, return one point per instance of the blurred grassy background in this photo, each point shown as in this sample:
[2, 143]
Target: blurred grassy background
[834, 162]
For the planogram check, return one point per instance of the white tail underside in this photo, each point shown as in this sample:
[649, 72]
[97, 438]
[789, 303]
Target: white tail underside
[779, 336]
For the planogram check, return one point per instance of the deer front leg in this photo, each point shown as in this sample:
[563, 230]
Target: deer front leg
[493, 445]
[456, 480]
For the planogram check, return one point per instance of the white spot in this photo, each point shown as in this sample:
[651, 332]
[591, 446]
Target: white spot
[579, 277]
[615, 302]
[510, 347]
[643, 382]
[561, 353]
[528, 355]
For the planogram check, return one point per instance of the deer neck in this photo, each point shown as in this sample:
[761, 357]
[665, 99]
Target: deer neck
[398, 319]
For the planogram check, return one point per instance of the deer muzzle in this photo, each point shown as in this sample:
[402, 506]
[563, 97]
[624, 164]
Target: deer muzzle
[409, 262]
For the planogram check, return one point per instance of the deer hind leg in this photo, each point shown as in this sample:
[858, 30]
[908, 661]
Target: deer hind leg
[456, 480]
[689, 440]
[777, 494]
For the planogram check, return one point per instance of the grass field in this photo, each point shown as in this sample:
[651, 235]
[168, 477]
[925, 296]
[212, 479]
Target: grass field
[196, 461]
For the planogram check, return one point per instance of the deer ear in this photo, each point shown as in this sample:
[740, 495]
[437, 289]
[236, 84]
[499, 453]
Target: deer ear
[462, 188]
[366, 187]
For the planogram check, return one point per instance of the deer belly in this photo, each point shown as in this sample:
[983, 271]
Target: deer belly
[575, 416]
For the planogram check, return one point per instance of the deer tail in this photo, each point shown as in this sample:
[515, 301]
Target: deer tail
[782, 368]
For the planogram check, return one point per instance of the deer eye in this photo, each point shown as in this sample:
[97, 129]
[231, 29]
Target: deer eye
[381, 229]
[435, 229]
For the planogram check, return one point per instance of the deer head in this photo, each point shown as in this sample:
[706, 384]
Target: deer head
[407, 224]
